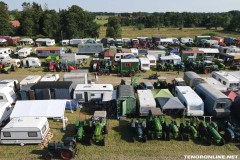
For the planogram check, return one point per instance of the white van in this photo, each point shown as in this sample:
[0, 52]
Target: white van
[24, 52]
[5, 111]
[231, 82]
[193, 103]
[7, 94]
[31, 62]
[25, 130]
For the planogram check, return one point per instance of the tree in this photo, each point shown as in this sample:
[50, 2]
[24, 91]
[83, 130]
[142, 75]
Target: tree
[114, 29]
[5, 26]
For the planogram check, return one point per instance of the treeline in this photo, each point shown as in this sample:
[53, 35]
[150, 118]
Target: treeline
[39, 21]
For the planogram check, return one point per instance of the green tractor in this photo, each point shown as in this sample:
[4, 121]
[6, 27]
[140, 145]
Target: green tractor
[219, 63]
[187, 130]
[173, 129]
[156, 125]
[7, 68]
[93, 130]
[161, 83]
[208, 132]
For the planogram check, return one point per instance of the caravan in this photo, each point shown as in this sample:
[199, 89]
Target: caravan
[119, 56]
[25, 130]
[24, 52]
[6, 50]
[231, 82]
[31, 79]
[7, 94]
[10, 83]
[192, 79]
[31, 62]
[193, 103]
[146, 101]
[50, 78]
[144, 64]
[5, 111]
[215, 83]
[11, 61]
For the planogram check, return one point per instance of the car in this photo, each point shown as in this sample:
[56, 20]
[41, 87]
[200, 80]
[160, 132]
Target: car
[146, 85]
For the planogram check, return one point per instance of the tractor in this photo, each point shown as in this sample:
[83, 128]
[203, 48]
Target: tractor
[65, 150]
[156, 125]
[7, 68]
[93, 130]
[161, 83]
[173, 129]
[220, 63]
[161, 67]
[232, 132]
[139, 129]
[208, 132]
[95, 65]
[187, 130]
[103, 71]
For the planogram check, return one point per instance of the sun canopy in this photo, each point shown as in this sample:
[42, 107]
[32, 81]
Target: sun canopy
[170, 103]
[160, 93]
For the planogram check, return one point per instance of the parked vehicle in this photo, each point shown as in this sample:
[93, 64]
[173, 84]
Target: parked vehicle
[192, 79]
[45, 42]
[24, 52]
[31, 62]
[6, 51]
[31, 79]
[10, 83]
[232, 132]
[7, 94]
[139, 130]
[49, 51]
[5, 111]
[128, 67]
[26, 41]
[215, 83]
[25, 130]
[11, 61]
[50, 78]
[145, 102]
[146, 86]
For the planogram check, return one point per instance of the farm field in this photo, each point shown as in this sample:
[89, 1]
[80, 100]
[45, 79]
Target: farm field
[118, 142]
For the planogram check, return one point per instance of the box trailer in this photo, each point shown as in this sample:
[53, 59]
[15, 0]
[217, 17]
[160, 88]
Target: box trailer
[50, 78]
[10, 83]
[193, 103]
[7, 94]
[128, 67]
[215, 83]
[25, 130]
[31, 79]
[231, 82]
[5, 111]
[192, 79]
[216, 103]
[31, 62]
[24, 52]
[145, 102]
[144, 64]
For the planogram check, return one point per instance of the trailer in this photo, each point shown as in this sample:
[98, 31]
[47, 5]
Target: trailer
[216, 103]
[231, 82]
[75, 42]
[31, 79]
[186, 40]
[192, 79]
[24, 52]
[6, 51]
[49, 51]
[65, 42]
[193, 54]
[174, 59]
[7, 94]
[119, 56]
[194, 105]
[76, 78]
[90, 48]
[128, 67]
[10, 83]
[50, 78]
[26, 41]
[198, 38]
[31, 62]
[45, 42]
[152, 59]
[25, 130]
[145, 102]
[11, 61]
[13, 41]
[5, 111]
[215, 83]
[144, 64]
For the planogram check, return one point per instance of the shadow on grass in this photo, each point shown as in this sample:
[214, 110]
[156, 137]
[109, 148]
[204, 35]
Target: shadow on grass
[125, 130]
[40, 153]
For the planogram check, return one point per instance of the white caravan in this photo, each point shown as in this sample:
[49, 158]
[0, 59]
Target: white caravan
[31, 79]
[31, 62]
[5, 50]
[12, 83]
[144, 64]
[7, 94]
[146, 101]
[50, 78]
[24, 52]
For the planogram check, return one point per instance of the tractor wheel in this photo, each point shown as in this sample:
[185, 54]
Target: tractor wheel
[103, 142]
[133, 139]
[180, 137]
[168, 136]
[66, 154]
[163, 135]
[152, 136]
[48, 156]
[130, 74]
[99, 73]
[7, 71]
[222, 142]
[145, 139]
[91, 141]
[108, 73]
[105, 130]
[228, 136]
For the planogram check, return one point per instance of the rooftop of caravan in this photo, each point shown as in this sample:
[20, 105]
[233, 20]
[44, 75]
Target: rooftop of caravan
[94, 87]
[49, 48]
[190, 95]
[26, 122]
[146, 98]
[226, 76]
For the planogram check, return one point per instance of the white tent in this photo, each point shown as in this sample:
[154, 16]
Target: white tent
[40, 108]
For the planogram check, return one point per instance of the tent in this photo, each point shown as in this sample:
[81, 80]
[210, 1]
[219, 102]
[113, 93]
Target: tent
[170, 104]
[40, 108]
[160, 93]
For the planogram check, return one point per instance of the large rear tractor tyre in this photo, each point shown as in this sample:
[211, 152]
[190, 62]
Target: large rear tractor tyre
[66, 154]
[222, 142]
[103, 142]
[48, 156]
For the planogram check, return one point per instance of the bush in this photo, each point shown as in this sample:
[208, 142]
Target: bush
[140, 26]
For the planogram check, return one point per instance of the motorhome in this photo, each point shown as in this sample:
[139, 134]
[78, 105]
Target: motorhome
[216, 103]
[215, 83]
[31, 79]
[144, 64]
[24, 52]
[193, 103]
[25, 130]
[231, 82]
[50, 78]
[192, 79]
[5, 51]
[11, 61]
[31, 62]
[145, 102]
[7, 94]
[10, 83]
[5, 111]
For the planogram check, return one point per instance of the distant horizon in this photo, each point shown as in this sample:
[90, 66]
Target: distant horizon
[126, 6]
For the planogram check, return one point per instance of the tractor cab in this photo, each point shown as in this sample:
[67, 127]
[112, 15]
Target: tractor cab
[161, 83]
[99, 117]
[178, 82]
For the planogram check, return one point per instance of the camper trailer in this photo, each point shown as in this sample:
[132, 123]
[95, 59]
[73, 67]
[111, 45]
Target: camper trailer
[216, 103]
[5, 111]
[192, 79]
[11, 61]
[26, 41]
[31, 62]
[48, 51]
[193, 103]
[119, 56]
[152, 59]
[186, 40]
[7, 94]
[24, 52]
[175, 59]
[50, 78]
[144, 64]
[10, 83]
[5, 50]
[75, 42]
[25, 130]
[87, 92]
[45, 42]
[31, 79]
[215, 83]
[231, 82]
[146, 101]
[65, 42]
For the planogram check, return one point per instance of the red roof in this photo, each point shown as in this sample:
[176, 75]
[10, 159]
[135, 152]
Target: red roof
[15, 23]
[108, 53]
[193, 52]
[231, 95]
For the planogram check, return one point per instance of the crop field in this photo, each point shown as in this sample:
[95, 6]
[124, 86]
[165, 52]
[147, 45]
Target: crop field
[118, 141]
[131, 32]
